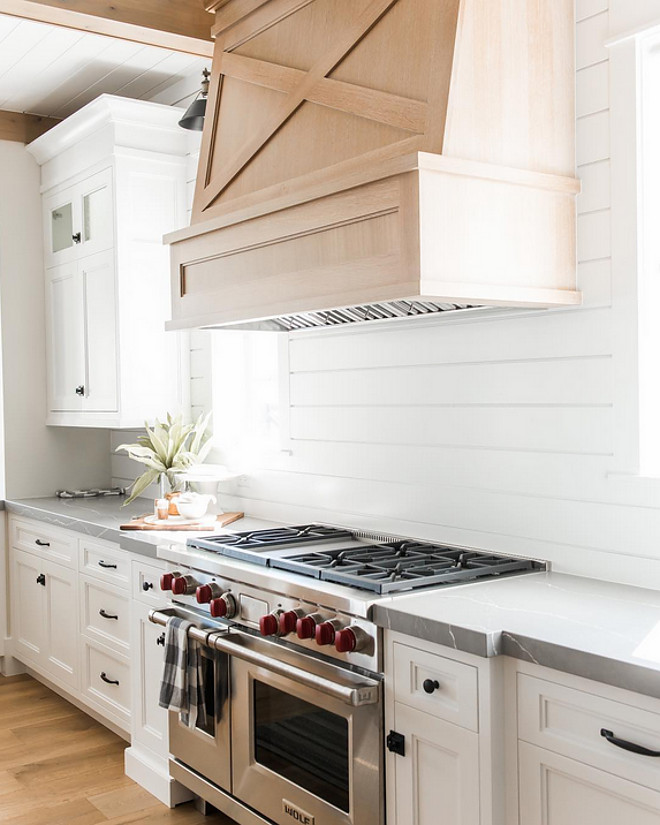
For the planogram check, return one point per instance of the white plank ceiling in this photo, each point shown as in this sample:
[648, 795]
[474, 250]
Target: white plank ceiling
[53, 71]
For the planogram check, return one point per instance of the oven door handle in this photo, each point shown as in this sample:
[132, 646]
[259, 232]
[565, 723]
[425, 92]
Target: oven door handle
[364, 692]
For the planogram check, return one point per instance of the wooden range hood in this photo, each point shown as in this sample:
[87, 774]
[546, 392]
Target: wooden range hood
[381, 154]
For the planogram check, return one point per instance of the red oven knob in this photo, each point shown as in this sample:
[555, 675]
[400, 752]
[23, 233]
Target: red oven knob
[306, 626]
[166, 580]
[289, 621]
[269, 625]
[325, 632]
[351, 639]
[223, 607]
[184, 585]
[206, 592]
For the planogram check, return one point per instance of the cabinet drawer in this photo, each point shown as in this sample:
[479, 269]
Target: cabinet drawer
[45, 541]
[569, 721]
[106, 562]
[107, 682]
[455, 696]
[105, 614]
[146, 583]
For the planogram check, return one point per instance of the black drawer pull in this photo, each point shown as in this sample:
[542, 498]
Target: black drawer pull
[146, 586]
[107, 615]
[41, 543]
[109, 681]
[430, 685]
[107, 566]
[627, 746]
[161, 640]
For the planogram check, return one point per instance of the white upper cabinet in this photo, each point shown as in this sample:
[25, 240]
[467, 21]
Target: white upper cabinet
[113, 183]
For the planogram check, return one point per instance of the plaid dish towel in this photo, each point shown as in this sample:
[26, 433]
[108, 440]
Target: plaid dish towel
[181, 685]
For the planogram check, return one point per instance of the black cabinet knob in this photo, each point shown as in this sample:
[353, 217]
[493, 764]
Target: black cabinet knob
[146, 586]
[161, 640]
[41, 579]
[80, 389]
[430, 685]
[77, 238]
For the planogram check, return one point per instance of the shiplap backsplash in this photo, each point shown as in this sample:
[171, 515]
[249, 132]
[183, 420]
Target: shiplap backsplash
[492, 432]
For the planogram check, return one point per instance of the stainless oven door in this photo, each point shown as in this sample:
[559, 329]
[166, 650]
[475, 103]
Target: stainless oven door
[205, 748]
[307, 736]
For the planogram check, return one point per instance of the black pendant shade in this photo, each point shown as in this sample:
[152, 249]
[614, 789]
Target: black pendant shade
[193, 118]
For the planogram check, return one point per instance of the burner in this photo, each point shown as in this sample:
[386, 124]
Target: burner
[250, 545]
[384, 568]
[402, 565]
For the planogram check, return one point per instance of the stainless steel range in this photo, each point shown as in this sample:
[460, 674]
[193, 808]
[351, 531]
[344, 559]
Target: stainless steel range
[293, 665]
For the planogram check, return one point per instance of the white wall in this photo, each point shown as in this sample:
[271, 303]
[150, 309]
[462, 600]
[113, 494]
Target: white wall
[495, 433]
[38, 459]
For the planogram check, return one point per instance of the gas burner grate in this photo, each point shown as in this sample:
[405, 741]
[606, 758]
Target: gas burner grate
[246, 545]
[401, 565]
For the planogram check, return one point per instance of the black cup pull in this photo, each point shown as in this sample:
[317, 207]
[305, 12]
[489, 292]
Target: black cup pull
[41, 543]
[109, 681]
[107, 566]
[627, 746]
[146, 586]
[161, 640]
[77, 238]
[41, 579]
[430, 685]
[107, 615]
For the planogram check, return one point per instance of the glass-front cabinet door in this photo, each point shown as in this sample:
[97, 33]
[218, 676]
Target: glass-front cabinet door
[78, 219]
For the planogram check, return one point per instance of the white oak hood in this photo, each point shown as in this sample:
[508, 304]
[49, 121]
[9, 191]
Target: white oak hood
[368, 159]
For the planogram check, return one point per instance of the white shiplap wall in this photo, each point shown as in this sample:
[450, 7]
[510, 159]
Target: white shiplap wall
[495, 432]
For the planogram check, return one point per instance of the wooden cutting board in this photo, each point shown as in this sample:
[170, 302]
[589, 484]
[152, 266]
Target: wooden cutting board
[222, 521]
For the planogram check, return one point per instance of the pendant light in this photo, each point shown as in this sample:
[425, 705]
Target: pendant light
[194, 116]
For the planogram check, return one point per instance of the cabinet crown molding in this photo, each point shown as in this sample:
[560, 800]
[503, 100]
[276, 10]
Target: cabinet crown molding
[132, 122]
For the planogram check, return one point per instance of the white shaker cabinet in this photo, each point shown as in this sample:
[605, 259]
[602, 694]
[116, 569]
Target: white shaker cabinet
[113, 183]
[44, 617]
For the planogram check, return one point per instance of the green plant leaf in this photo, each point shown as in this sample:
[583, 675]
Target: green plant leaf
[140, 485]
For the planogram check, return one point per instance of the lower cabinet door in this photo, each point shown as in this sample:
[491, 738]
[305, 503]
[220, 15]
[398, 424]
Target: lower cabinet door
[555, 790]
[437, 780]
[28, 605]
[149, 721]
[62, 635]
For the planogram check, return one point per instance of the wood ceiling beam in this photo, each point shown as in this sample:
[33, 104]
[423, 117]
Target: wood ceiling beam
[179, 25]
[23, 128]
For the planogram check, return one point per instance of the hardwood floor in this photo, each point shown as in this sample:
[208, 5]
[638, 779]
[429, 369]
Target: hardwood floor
[60, 767]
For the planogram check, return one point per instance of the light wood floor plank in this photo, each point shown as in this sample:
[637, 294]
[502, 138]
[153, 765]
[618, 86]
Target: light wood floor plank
[59, 766]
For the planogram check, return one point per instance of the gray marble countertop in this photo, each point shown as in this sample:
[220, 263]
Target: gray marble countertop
[101, 518]
[598, 630]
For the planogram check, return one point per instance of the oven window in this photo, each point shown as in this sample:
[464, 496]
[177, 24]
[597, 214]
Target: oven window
[303, 743]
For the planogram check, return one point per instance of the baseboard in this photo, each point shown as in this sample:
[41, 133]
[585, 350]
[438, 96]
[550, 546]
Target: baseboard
[10, 666]
[152, 773]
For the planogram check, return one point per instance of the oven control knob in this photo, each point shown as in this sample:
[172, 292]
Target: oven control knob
[166, 580]
[184, 585]
[306, 626]
[269, 625]
[326, 631]
[351, 639]
[224, 607]
[206, 592]
[289, 621]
